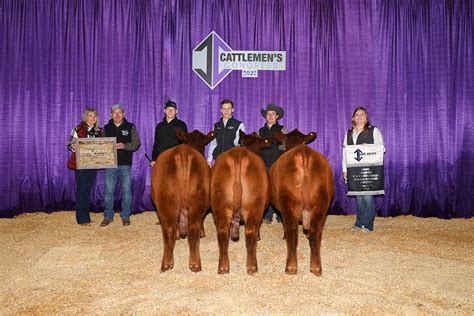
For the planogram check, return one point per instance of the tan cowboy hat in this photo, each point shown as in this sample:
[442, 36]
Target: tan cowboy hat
[272, 107]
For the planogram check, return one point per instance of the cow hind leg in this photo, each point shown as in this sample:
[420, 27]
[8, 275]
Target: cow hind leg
[290, 224]
[194, 230]
[314, 235]
[169, 240]
[223, 235]
[251, 237]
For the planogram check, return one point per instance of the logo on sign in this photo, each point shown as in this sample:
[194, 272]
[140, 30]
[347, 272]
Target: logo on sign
[213, 60]
[359, 154]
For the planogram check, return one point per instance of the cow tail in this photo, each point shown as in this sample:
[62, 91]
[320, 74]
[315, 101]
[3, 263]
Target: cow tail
[237, 187]
[305, 188]
[185, 176]
[186, 160]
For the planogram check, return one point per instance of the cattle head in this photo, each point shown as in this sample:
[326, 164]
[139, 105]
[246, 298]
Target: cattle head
[195, 139]
[254, 142]
[294, 138]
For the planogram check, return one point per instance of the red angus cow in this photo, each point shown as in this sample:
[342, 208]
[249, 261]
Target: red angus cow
[302, 187]
[240, 189]
[180, 184]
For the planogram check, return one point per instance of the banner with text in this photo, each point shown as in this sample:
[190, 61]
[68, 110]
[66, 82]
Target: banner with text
[365, 169]
[213, 60]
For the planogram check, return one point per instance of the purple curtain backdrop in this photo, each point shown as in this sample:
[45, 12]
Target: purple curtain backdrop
[410, 63]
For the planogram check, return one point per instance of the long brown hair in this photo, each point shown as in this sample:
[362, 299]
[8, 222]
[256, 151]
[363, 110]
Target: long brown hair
[367, 124]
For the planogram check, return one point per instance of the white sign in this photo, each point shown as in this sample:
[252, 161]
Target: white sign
[365, 174]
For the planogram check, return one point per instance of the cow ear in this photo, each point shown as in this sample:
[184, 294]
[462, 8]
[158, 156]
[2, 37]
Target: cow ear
[310, 137]
[210, 136]
[267, 143]
[183, 136]
[280, 137]
[242, 138]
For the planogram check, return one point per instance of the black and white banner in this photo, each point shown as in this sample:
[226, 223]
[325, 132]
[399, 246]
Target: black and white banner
[365, 169]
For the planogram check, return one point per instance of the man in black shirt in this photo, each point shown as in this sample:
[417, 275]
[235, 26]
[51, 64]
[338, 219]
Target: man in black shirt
[165, 131]
[227, 131]
[269, 155]
[128, 141]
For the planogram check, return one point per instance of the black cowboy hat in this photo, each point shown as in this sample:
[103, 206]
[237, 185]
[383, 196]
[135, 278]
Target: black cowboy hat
[272, 107]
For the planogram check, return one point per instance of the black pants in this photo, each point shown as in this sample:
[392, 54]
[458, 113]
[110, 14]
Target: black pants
[84, 181]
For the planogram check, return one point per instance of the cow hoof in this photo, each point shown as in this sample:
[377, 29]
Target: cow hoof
[252, 270]
[223, 270]
[291, 270]
[195, 267]
[316, 272]
[235, 239]
[166, 267]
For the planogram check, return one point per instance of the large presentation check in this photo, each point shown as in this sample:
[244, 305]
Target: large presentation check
[365, 169]
[96, 153]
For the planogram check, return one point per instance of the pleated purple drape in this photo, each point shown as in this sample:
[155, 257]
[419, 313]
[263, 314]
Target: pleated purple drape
[411, 63]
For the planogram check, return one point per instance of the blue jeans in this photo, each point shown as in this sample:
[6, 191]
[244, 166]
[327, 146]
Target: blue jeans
[268, 214]
[84, 181]
[365, 212]
[124, 172]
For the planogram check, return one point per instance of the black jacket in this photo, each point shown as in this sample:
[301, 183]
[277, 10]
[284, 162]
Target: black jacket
[165, 136]
[125, 133]
[270, 155]
[225, 135]
[363, 138]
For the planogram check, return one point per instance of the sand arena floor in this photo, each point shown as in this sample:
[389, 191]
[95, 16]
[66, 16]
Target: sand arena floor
[50, 265]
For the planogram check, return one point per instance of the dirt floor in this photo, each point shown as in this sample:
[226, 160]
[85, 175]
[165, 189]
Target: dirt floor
[409, 265]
